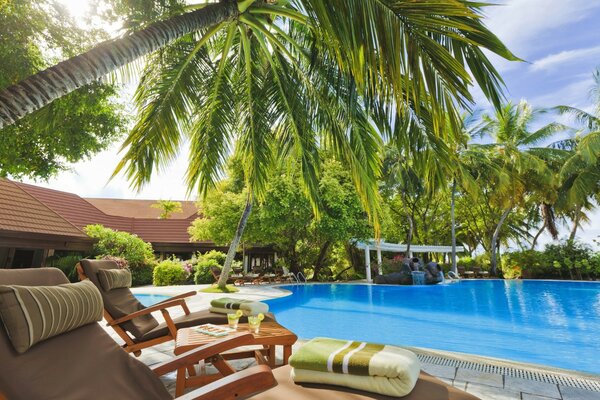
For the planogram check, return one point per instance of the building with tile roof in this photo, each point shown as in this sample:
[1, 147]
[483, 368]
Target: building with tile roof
[37, 222]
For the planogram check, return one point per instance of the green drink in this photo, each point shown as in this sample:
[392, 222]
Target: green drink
[233, 319]
[254, 322]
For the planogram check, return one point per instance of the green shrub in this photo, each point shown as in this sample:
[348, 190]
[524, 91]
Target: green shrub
[120, 244]
[467, 263]
[142, 276]
[218, 256]
[169, 272]
[526, 264]
[203, 274]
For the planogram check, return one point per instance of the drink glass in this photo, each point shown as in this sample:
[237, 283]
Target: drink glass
[233, 320]
[254, 323]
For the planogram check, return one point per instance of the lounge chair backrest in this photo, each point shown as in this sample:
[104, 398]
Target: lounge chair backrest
[119, 302]
[83, 363]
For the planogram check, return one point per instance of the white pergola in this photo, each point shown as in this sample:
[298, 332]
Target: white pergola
[381, 245]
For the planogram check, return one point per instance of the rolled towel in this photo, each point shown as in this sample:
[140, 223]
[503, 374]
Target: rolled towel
[377, 368]
[226, 305]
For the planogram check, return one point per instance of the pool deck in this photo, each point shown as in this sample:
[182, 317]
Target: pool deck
[484, 377]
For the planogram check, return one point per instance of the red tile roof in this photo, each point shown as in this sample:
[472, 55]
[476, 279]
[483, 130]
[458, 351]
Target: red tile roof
[22, 212]
[80, 213]
[140, 208]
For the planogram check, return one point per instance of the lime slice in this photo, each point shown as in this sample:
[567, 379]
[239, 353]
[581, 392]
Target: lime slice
[239, 313]
[260, 316]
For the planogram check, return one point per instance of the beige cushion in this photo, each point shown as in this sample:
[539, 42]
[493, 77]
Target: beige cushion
[114, 278]
[31, 314]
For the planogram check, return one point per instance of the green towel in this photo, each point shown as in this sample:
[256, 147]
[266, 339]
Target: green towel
[224, 305]
[377, 368]
[228, 303]
[354, 358]
[332, 355]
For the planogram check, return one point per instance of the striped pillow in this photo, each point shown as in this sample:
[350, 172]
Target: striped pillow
[31, 314]
[114, 278]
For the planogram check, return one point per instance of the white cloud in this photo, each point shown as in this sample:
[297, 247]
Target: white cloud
[574, 94]
[553, 61]
[92, 179]
[518, 23]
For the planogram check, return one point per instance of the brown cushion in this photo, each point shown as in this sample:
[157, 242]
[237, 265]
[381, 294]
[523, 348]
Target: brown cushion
[427, 388]
[114, 278]
[85, 363]
[119, 302]
[31, 314]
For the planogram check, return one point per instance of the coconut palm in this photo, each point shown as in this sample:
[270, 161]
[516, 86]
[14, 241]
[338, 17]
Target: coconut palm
[518, 151]
[580, 170]
[405, 50]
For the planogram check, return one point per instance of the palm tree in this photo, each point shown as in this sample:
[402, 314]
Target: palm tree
[255, 71]
[523, 168]
[409, 48]
[580, 170]
[280, 79]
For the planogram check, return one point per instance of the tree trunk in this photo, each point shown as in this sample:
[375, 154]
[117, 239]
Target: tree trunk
[41, 89]
[320, 259]
[537, 236]
[493, 244]
[575, 225]
[222, 283]
[453, 222]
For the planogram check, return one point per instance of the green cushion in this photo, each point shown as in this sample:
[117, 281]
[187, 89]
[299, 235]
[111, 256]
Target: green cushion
[31, 314]
[114, 278]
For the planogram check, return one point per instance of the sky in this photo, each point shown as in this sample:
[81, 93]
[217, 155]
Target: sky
[559, 41]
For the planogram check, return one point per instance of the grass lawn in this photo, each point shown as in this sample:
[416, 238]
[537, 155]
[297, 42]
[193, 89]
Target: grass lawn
[216, 289]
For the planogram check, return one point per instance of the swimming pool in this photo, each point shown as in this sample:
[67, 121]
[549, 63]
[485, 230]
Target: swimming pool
[151, 299]
[543, 322]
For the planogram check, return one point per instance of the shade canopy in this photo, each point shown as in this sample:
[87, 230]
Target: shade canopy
[381, 245]
[397, 248]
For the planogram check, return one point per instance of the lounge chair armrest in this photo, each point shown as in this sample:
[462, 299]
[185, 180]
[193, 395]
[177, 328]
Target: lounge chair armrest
[203, 352]
[179, 296]
[148, 310]
[240, 385]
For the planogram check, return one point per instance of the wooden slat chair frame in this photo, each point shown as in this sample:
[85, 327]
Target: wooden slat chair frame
[131, 346]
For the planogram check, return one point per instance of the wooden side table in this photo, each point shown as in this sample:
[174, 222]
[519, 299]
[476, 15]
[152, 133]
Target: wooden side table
[270, 335]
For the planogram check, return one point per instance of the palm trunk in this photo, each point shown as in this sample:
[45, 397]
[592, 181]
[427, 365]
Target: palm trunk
[409, 235]
[537, 236]
[493, 244]
[222, 283]
[453, 222]
[46, 86]
[575, 225]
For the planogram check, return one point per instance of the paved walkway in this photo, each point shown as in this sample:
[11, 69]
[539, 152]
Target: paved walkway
[484, 377]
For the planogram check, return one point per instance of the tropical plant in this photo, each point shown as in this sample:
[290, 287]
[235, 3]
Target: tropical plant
[167, 208]
[516, 161]
[580, 171]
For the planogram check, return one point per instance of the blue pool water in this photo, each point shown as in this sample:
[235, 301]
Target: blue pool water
[543, 322]
[151, 299]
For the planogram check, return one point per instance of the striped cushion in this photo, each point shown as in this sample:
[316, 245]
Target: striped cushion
[31, 314]
[114, 278]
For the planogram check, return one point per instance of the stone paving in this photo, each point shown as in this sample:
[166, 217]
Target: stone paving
[482, 384]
